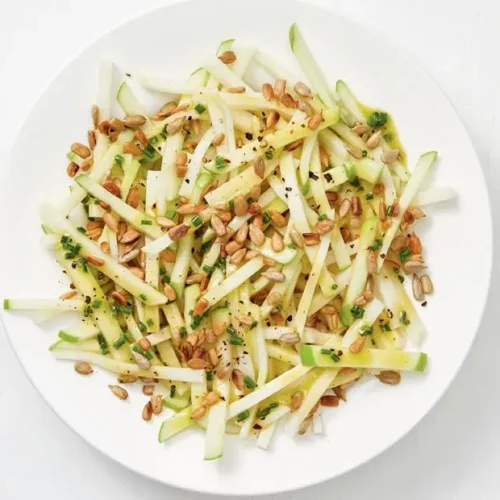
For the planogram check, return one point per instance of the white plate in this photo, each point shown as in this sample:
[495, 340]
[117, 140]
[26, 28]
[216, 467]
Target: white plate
[174, 40]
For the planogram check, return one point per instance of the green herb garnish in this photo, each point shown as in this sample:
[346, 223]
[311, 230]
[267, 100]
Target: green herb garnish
[242, 416]
[199, 108]
[404, 255]
[403, 318]
[376, 245]
[220, 162]
[377, 119]
[366, 330]
[236, 340]
[231, 330]
[196, 221]
[119, 159]
[149, 152]
[357, 312]
[335, 357]
[119, 342]
[249, 382]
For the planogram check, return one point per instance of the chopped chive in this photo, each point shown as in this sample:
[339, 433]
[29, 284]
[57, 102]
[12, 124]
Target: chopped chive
[366, 330]
[153, 140]
[149, 151]
[197, 321]
[119, 159]
[162, 271]
[266, 218]
[377, 119]
[102, 344]
[369, 196]
[220, 162]
[96, 304]
[236, 340]
[172, 391]
[147, 355]
[376, 245]
[323, 217]
[81, 229]
[357, 312]
[199, 108]
[118, 308]
[146, 222]
[231, 204]
[364, 153]
[254, 324]
[150, 322]
[401, 278]
[207, 269]
[204, 247]
[334, 286]
[292, 246]
[143, 297]
[274, 405]
[196, 221]
[385, 327]
[403, 318]
[335, 357]
[388, 137]
[269, 155]
[128, 335]
[142, 327]
[389, 210]
[264, 412]
[404, 255]
[210, 376]
[183, 331]
[326, 351]
[231, 330]
[119, 342]
[249, 382]
[170, 214]
[165, 279]
[242, 416]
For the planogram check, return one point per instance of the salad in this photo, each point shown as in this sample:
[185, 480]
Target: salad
[244, 253]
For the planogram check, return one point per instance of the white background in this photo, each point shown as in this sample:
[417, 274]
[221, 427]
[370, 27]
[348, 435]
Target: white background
[454, 453]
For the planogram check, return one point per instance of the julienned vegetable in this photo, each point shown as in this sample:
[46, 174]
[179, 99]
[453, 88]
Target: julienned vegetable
[244, 250]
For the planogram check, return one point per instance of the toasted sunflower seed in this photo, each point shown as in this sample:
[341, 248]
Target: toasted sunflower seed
[83, 368]
[119, 392]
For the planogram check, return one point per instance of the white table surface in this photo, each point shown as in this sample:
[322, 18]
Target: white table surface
[454, 453]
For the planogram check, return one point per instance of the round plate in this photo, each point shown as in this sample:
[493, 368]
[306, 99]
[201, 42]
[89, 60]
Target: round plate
[173, 41]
